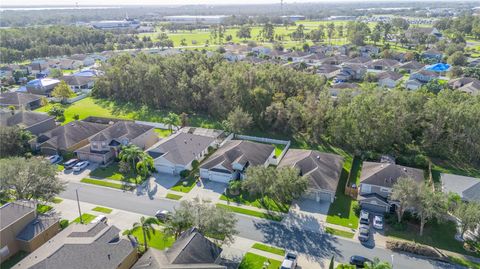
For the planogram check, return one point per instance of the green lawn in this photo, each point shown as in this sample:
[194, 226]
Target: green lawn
[278, 149]
[106, 184]
[157, 239]
[246, 199]
[59, 167]
[112, 172]
[57, 200]
[274, 250]
[355, 171]
[450, 167]
[162, 132]
[173, 196]
[191, 180]
[13, 260]
[87, 218]
[102, 209]
[439, 235]
[42, 209]
[464, 262]
[251, 212]
[338, 232]
[341, 211]
[254, 261]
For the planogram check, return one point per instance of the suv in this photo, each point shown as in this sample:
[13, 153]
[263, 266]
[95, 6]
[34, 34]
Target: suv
[70, 164]
[55, 158]
[80, 166]
[364, 233]
[100, 218]
[364, 217]
[290, 261]
[358, 261]
[378, 222]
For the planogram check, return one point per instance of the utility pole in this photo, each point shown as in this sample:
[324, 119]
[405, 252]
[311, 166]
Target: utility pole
[79, 211]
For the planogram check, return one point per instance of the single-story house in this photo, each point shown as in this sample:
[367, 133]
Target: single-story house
[327, 70]
[42, 86]
[78, 83]
[432, 54]
[424, 76]
[389, 79]
[368, 50]
[322, 169]
[191, 250]
[335, 60]
[23, 229]
[351, 72]
[466, 84]
[177, 152]
[232, 159]
[34, 122]
[105, 145]
[413, 84]
[85, 59]
[69, 64]
[377, 180]
[94, 245]
[20, 100]
[410, 67]
[383, 64]
[68, 138]
[468, 188]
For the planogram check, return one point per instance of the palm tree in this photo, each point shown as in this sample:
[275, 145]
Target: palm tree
[146, 224]
[144, 165]
[172, 120]
[131, 154]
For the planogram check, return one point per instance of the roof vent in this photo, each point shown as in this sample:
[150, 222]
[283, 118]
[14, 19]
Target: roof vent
[405, 169]
[318, 157]
[185, 141]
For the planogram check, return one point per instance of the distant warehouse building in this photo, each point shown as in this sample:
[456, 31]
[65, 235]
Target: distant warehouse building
[127, 23]
[294, 17]
[189, 19]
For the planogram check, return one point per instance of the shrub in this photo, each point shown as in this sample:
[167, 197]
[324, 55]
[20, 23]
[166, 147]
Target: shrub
[184, 173]
[195, 164]
[234, 187]
[64, 223]
[412, 247]
[357, 209]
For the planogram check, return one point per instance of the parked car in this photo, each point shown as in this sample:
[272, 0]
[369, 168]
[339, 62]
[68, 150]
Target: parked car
[364, 217]
[378, 222]
[358, 261]
[55, 158]
[70, 164]
[80, 166]
[364, 233]
[163, 215]
[290, 261]
[100, 218]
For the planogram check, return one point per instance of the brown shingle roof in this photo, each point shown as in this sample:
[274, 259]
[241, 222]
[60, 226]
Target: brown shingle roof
[387, 174]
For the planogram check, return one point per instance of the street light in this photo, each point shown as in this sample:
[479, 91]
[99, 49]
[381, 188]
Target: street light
[392, 260]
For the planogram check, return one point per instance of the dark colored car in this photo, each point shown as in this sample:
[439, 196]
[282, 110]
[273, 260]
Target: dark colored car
[358, 261]
[70, 164]
[364, 233]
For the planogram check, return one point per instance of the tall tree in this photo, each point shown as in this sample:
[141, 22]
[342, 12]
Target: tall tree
[430, 205]
[330, 32]
[405, 193]
[131, 154]
[147, 226]
[238, 121]
[14, 141]
[268, 32]
[172, 120]
[63, 91]
[244, 32]
[469, 215]
[287, 184]
[258, 180]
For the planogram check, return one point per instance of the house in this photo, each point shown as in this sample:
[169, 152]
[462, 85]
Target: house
[322, 169]
[415, 34]
[468, 188]
[104, 146]
[22, 229]
[413, 84]
[69, 64]
[236, 49]
[95, 245]
[20, 100]
[34, 122]
[358, 60]
[327, 70]
[39, 69]
[233, 57]
[296, 56]
[78, 83]
[383, 64]
[177, 152]
[232, 159]
[314, 58]
[336, 88]
[410, 67]
[191, 250]
[424, 76]
[68, 137]
[85, 59]
[351, 72]
[472, 88]
[260, 50]
[335, 60]
[368, 50]
[377, 180]
[43, 86]
[432, 55]
[389, 79]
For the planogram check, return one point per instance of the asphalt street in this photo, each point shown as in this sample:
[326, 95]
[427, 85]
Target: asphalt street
[316, 245]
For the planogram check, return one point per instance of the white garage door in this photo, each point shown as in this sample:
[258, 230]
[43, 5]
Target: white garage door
[220, 177]
[165, 169]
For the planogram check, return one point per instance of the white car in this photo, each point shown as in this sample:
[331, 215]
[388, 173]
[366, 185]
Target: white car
[378, 222]
[163, 215]
[54, 158]
[364, 217]
[80, 166]
[100, 218]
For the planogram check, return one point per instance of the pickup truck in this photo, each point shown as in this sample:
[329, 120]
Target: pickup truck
[290, 261]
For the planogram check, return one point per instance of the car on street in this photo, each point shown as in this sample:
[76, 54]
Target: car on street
[54, 158]
[363, 233]
[80, 166]
[100, 218]
[364, 217]
[290, 261]
[378, 222]
[163, 215]
[358, 261]
[70, 164]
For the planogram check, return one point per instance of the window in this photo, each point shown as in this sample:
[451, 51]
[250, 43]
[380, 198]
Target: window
[366, 188]
[385, 189]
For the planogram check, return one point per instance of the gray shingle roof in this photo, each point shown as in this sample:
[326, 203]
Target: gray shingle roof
[467, 187]
[18, 98]
[241, 151]
[323, 169]
[77, 80]
[63, 137]
[122, 129]
[23, 118]
[181, 148]
[387, 174]
[389, 74]
[11, 212]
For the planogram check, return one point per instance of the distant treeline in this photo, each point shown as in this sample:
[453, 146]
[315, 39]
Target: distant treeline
[284, 101]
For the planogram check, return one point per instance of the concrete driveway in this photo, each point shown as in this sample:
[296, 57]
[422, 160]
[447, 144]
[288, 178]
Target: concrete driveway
[207, 190]
[308, 214]
[158, 185]
[69, 175]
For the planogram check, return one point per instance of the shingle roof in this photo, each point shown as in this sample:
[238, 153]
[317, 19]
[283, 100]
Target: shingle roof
[384, 62]
[77, 80]
[389, 74]
[63, 137]
[412, 65]
[471, 88]
[121, 129]
[181, 148]
[241, 151]
[467, 187]
[18, 98]
[24, 118]
[11, 212]
[323, 169]
[387, 174]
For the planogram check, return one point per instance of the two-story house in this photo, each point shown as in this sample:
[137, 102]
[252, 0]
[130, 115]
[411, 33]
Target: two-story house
[351, 72]
[377, 180]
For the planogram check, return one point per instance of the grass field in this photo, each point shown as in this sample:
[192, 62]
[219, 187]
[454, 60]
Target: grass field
[254, 261]
[112, 172]
[274, 250]
[185, 188]
[173, 196]
[87, 218]
[42, 209]
[251, 212]
[157, 239]
[465, 262]
[106, 184]
[102, 210]
[246, 199]
[338, 232]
